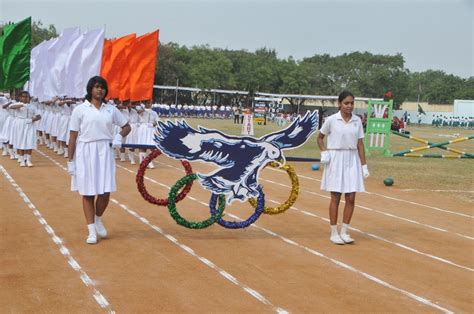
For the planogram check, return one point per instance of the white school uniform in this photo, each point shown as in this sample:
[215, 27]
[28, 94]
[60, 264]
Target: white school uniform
[94, 157]
[147, 120]
[343, 174]
[63, 128]
[25, 133]
[7, 126]
[133, 120]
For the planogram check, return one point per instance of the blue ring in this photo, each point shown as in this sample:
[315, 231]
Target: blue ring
[239, 224]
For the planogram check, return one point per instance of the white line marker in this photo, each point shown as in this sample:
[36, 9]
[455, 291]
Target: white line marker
[62, 248]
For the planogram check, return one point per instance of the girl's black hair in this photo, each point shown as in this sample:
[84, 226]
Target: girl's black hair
[343, 95]
[96, 80]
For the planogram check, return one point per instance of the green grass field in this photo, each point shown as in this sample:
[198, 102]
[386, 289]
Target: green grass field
[408, 173]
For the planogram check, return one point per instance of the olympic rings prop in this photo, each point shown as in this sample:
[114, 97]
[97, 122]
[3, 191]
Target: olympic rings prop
[193, 224]
[295, 186]
[240, 224]
[141, 184]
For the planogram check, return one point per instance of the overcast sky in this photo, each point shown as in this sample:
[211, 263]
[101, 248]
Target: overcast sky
[436, 34]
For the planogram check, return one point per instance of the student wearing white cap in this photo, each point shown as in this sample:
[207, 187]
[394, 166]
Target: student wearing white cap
[91, 159]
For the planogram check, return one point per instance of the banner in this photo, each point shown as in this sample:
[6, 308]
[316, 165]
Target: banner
[142, 63]
[16, 52]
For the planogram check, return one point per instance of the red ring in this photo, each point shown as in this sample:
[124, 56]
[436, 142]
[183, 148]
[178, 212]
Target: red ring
[141, 184]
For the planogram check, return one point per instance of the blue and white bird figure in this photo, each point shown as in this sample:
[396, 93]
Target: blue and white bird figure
[239, 159]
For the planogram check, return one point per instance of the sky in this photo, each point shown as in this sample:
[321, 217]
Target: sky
[430, 34]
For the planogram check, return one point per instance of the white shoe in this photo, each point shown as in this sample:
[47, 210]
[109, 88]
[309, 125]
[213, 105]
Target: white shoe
[101, 231]
[346, 238]
[122, 159]
[22, 163]
[92, 239]
[151, 165]
[65, 154]
[60, 151]
[29, 164]
[132, 162]
[336, 239]
[5, 153]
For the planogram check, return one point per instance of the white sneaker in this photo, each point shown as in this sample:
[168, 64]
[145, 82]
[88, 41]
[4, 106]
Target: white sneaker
[29, 164]
[336, 239]
[122, 158]
[60, 151]
[22, 163]
[92, 239]
[132, 162]
[346, 238]
[101, 231]
[5, 153]
[65, 154]
[151, 165]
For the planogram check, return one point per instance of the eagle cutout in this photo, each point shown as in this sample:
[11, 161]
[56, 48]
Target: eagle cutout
[239, 159]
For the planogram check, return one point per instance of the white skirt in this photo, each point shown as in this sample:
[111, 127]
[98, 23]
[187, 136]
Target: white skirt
[132, 136]
[5, 131]
[48, 123]
[95, 168]
[63, 128]
[42, 122]
[25, 135]
[55, 124]
[344, 172]
[145, 134]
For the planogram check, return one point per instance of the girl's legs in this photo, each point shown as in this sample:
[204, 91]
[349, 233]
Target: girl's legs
[89, 212]
[28, 157]
[100, 207]
[333, 209]
[348, 211]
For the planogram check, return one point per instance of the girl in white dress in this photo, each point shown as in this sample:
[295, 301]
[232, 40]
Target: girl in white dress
[148, 119]
[344, 162]
[132, 137]
[91, 159]
[25, 138]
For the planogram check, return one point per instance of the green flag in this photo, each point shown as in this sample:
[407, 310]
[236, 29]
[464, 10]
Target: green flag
[5, 29]
[16, 53]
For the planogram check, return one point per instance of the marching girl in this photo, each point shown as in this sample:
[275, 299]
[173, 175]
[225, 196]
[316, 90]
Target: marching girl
[25, 139]
[122, 107]
[54, 131]
[345, 167]
[132, 137]
[4, 116]
[63, 125]
[148, 119]
[91, 159]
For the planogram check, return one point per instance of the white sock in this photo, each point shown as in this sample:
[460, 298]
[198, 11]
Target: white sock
[91, 228]
[28, 158]
[10, 150]
[98, 218]
[334, 230]
[142, 156]
[344, 228]
[122, 156]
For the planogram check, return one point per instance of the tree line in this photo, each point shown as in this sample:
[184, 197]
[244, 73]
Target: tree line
[363, 73]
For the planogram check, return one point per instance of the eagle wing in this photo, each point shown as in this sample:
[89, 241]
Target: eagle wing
[181, 141]
[296, 134]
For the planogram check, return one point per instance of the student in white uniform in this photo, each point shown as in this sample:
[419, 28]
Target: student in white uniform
[344, 162]
[91, 159]
[25, 128]
[148, 119]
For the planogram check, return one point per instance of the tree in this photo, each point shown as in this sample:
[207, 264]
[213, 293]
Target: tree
[41, 33]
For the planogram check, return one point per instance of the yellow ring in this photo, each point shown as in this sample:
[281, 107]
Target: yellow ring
[295, 187]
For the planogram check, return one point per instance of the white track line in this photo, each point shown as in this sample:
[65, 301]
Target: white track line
[398, 199]
[319, 254]
[255, 294]
[403, 246]
[88, 282]
[381, 212]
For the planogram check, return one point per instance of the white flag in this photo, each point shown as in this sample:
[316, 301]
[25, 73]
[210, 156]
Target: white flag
[73, 68]
[54, 83]
[91, 58]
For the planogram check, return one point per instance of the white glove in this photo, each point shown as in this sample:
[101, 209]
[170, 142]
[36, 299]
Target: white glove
[365, 171]
[325, 157]
[117, 141]
[71, 168]
[29, 121]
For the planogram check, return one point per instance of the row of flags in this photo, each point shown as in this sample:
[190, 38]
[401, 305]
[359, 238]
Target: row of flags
[62, 66]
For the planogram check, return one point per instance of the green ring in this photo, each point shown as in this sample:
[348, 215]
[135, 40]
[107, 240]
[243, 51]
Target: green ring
[182, 221]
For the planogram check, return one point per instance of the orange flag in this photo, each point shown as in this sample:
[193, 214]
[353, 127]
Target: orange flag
[115, 64]
[106, 53]
[142, 60]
